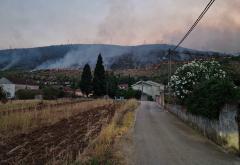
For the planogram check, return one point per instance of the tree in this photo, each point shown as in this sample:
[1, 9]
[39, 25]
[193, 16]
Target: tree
[51, 93]
[111, 85]
[99, 80]
[209, 97]
[3, 96]
[25, 94]
[86, 80]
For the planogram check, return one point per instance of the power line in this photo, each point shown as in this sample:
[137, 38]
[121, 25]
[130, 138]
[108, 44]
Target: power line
[186, 35]
[195, 23]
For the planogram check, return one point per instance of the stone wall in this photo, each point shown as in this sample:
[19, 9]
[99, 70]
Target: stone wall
[223, 132]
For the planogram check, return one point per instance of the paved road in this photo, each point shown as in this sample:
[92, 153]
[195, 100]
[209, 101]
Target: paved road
[162, 139]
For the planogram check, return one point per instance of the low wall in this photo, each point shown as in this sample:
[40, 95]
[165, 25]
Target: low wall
[223, 132]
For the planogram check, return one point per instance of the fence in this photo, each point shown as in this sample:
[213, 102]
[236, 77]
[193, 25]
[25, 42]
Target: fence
[223, 132]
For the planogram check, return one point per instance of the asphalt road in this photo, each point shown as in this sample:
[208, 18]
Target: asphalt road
[162, 139]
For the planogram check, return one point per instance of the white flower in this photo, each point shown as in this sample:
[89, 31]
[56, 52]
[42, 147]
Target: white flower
[189, 75]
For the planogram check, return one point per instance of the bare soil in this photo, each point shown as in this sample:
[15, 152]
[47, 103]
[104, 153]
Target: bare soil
[57, 143]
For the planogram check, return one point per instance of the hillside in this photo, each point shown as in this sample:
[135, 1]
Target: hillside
[75, 56]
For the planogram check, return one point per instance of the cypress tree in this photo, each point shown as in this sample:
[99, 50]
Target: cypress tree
[112, 84]
[99, 80]
[86, 80]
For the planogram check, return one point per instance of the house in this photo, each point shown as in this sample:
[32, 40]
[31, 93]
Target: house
[78, 93]
[8, 87]
[123, 86]
[69, 91]
[11, 87]
[149, 88]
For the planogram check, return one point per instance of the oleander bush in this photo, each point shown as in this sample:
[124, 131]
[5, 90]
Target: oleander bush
[187, 77]
[209, 97]
[203, 87]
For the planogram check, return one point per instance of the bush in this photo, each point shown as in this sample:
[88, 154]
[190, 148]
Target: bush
[129, 94]
[150, 98]
[209, 97]
[51, 93]
[25, 94]
[3, 96]
[187, 77]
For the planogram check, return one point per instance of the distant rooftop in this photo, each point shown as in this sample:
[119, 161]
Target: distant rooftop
[150, 83]
[5, 81]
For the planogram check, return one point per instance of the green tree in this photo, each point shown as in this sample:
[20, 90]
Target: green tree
[25, 94]
[86, 80]
[111, 85]
[99, 80]
[3, 96]
[210, 96]
[51, 93]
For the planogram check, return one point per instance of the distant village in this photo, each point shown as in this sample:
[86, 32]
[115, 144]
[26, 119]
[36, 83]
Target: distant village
[66, 83]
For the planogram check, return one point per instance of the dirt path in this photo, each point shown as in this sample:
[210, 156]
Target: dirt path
[161, 139]
[68, 138]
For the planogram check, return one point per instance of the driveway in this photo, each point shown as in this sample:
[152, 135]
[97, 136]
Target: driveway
[162, 139]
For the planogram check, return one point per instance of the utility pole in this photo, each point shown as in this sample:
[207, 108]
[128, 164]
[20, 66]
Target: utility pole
[170, 69]
[142, 90]
[107, 89]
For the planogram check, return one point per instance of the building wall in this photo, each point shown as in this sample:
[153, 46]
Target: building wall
[9, 89]
[149, 90]
[30, 87]
[223, 132]
[160, 99]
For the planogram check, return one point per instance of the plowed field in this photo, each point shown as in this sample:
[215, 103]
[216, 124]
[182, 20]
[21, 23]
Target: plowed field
[57, 143]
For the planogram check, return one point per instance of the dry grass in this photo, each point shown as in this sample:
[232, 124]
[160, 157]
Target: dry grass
[232, 141]
[25, 104]
[22, 122]
[102, 150]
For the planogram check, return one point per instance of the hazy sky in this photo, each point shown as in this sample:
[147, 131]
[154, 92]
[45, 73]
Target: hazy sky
[30, 23]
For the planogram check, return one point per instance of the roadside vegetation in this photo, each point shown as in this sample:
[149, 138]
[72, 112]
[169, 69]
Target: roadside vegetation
[104, 149]
[204, 88]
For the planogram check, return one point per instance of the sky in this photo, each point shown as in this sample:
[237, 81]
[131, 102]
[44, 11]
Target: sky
[33, 23]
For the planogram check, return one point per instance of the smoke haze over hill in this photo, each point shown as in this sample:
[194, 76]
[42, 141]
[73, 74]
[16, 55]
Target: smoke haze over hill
[75, 56]
[32, 23]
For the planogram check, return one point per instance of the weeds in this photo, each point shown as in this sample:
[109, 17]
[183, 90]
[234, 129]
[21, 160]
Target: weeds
[101, 151]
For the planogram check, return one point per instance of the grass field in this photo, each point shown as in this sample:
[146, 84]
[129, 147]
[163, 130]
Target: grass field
[29, 104]
[52, 135]
[60, 135]
[22, 122]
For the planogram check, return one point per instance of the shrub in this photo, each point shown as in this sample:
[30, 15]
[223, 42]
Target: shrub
[51, 93]
[129, 94]
[150, 98]
[3, 96]
[188, 76]
[25, 94]
[209, 97]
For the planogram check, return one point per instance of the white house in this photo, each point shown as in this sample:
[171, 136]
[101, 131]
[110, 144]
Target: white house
[8, 87]
[149, 88]
[12, 87]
